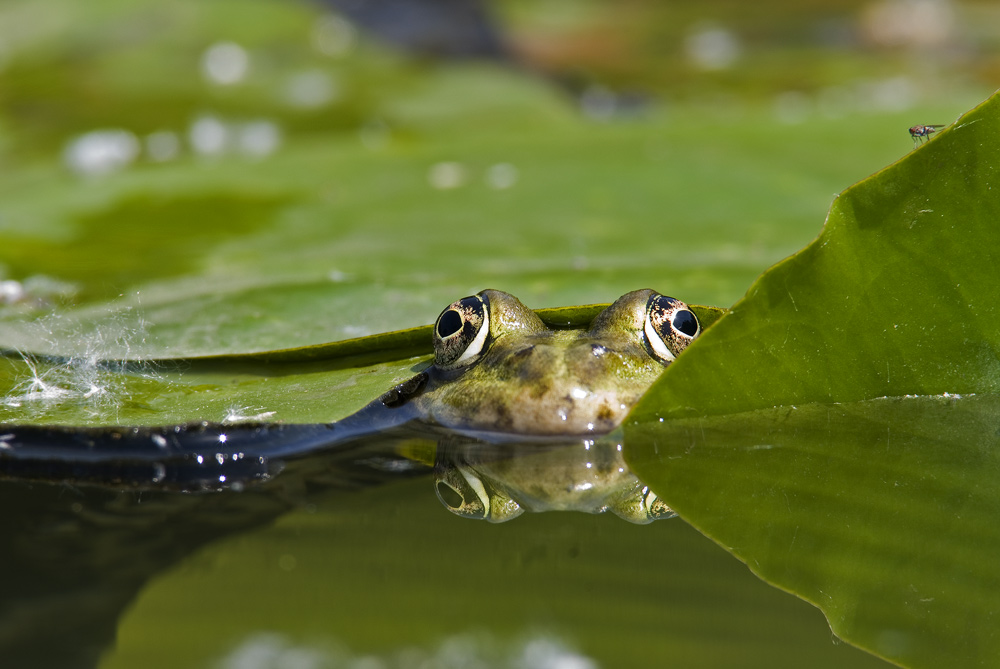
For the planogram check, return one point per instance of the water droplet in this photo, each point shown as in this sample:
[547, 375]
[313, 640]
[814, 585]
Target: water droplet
[208, 136]
[501, 176]
[225, 63]
[712, 47]
[101, 152]
[259, 138]
[311, 89]
[333, 36]
[447, 175]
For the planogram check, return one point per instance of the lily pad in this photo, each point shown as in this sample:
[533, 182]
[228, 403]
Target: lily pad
[837, 429]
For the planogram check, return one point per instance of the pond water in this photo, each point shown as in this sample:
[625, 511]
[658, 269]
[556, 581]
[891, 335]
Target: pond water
[346, 558]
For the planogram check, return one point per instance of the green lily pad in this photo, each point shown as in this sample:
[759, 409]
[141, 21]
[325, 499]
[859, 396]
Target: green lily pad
[770, 436]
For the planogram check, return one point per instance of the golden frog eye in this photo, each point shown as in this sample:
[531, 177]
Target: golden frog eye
[670, 327]
[461, 332]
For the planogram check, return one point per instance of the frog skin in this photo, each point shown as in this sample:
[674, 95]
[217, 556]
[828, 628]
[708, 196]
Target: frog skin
[499, 369]
[537, 401]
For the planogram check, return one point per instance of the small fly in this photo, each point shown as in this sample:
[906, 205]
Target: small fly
[921, 132]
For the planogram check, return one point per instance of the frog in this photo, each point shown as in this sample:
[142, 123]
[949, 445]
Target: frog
[501, 375]
[499, 369]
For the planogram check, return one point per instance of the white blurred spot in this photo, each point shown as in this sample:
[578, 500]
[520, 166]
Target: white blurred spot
[545, 653]
[268, 650]
[332, 36]
[447, 175]
[273, 651]
[501, 176]
[101, 151]
[11, 291]
[311, 89]
[225, 63]
[93, 391]
[893, 94]
[209, 136]
[711, 47]
[258, 138]
[914, 23]
[792, 107]
[162, 146]
[242, 415]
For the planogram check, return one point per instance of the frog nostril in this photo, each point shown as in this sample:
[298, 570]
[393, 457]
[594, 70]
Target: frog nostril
[449, 323]
[523, 353]
[451, 497]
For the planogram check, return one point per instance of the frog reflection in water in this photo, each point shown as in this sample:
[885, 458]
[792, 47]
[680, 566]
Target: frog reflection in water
[501, 375]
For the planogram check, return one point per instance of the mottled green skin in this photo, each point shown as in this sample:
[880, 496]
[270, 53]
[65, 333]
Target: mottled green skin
[536, 381]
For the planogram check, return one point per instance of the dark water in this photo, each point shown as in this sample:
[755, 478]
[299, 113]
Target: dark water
[346, 557]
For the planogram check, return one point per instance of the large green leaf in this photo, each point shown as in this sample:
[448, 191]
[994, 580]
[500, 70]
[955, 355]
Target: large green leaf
[769, 434]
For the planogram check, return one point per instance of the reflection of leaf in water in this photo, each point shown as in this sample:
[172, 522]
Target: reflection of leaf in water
[882, 513]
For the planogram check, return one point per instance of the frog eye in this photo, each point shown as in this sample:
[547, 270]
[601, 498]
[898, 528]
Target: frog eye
[463, 495]
[461, 331]
[670, 327]
[460, 489]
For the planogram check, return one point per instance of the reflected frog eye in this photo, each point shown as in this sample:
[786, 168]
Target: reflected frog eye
[670, 327]
[461, 331]
[460, 489]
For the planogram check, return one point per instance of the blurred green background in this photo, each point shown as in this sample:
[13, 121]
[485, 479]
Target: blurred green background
[244, 176]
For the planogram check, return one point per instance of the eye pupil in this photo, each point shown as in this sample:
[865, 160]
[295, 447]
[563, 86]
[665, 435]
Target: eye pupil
[452, 498]
[685, 322]
[461, 332]
[449, 323]
[670, 327]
